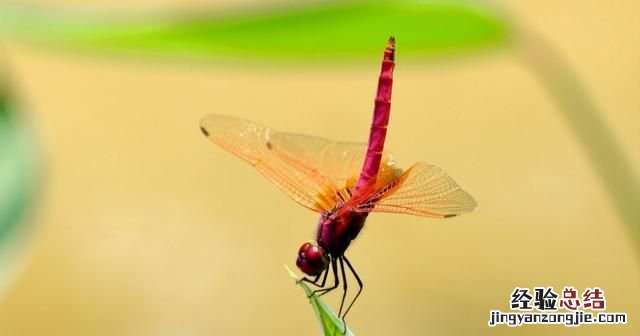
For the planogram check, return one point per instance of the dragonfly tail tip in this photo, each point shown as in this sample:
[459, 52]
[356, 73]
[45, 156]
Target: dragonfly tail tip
[392, 42]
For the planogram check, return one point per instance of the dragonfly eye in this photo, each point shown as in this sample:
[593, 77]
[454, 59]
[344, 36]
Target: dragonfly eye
[312, 259]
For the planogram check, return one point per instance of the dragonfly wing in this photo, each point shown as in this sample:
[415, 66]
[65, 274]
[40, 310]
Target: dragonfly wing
[423, 190]
[340, 162]
[263, 148]
[307, 153]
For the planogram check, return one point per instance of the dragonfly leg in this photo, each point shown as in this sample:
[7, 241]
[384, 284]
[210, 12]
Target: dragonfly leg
[309, 281]
[344, 286]
[317, 278]
[315, 282]
[336, 281]
[355, 275]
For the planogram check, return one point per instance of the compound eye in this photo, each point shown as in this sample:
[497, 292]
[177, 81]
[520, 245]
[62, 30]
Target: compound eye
[312, 259]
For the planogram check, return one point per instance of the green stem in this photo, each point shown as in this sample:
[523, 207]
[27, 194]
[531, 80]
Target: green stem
[589, 127]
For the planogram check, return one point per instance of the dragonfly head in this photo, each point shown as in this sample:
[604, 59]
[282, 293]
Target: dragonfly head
[312, 259]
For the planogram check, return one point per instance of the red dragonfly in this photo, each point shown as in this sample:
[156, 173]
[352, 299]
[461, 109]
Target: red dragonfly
[342, 181]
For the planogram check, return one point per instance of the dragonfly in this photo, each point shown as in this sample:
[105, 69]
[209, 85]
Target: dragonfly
[342, 181]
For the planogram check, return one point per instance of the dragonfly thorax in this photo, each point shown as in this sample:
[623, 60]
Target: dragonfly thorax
[312, 259]
[337, 229]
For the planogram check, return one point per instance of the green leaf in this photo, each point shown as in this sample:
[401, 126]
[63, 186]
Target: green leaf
[326, 31]
[589, 125]
[17, 182]
[331, 324]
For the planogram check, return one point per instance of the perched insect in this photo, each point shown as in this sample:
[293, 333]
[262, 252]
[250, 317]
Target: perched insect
[342, 181]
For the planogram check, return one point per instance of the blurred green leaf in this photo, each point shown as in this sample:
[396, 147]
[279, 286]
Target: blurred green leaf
[331, 324]
[589, 125]
[17, 179]
[329, 31]
[4, 101]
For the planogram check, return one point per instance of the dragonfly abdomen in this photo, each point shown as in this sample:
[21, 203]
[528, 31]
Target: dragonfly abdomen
[381, 112]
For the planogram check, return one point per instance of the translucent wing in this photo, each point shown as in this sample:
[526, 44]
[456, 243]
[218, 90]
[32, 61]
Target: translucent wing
[340, 162]
[252, 142]
[423, 190]
[336, 160]
[315, 172]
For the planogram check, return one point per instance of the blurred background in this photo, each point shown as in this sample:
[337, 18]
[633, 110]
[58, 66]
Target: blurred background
[130, 222]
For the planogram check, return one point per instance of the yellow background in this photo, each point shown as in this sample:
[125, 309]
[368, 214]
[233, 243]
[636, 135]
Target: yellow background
[145, 228]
